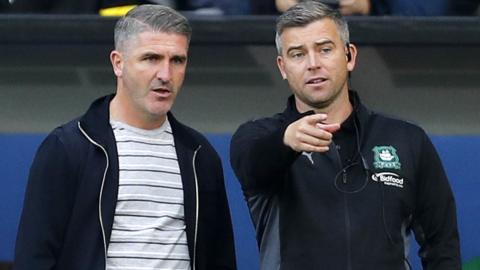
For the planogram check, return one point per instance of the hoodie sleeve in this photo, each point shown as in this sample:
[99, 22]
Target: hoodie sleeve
[46, 208]
[435, 215]
[258, 155]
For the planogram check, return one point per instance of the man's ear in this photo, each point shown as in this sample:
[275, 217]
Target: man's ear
[352, 56]
[116, 58]
[281, 66]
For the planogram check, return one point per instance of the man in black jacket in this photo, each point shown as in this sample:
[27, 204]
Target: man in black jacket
[126, 186]
[331, 184]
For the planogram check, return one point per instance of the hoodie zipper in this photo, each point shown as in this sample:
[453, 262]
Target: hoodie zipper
[101, 190]
[197, 207]
[346, 210]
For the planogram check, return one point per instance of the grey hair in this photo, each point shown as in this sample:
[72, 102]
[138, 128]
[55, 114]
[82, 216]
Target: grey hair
[156, 18]
[307, 12]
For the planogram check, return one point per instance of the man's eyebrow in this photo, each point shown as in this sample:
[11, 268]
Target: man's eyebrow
[324, 42]
[182, 56]
[317, 43]
[150, 54]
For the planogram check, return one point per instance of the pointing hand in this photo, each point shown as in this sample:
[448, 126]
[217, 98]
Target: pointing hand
[309, 134]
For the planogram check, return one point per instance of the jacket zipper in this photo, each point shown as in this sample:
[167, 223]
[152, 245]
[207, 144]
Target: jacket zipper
[197, 207]
[347, 216]
[101, 191]
[347, 225]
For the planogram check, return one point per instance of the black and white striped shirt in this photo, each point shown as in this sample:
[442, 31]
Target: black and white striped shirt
[148, 230]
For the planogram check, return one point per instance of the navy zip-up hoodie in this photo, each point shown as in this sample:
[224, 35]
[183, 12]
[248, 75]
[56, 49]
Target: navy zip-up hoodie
[72, 192]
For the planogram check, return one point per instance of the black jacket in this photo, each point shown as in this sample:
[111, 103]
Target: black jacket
[72, 193]
[314, 211]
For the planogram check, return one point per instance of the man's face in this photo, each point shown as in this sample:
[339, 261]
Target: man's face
[150, 71]
[314, 61]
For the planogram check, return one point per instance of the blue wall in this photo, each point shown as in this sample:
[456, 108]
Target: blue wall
[460, 155]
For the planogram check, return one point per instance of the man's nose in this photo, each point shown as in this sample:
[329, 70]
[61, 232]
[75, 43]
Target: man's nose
[313, 61]
[164, 73]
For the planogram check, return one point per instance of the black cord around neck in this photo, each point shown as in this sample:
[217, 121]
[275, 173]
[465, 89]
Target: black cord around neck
[362, 160]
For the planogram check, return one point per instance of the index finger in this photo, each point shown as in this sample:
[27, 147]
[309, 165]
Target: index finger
[315, 118]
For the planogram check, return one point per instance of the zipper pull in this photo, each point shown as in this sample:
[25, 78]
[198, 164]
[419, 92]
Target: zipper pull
[344, 176]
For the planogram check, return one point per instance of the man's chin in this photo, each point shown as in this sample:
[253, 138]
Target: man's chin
[320, 102]
[159, 110]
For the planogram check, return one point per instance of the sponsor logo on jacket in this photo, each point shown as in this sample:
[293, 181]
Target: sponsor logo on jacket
[388, 178]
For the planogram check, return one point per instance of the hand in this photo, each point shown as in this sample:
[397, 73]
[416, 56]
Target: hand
[309, 134]
[355, 7]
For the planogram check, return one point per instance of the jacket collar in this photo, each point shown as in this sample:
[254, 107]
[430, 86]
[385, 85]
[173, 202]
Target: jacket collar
[291, 109]
[96, 121]
[362, 114]
[183, 133]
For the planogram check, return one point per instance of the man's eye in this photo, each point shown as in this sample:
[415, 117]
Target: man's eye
[297, 55]
[151, 58]
[178, 60]
[326, 50]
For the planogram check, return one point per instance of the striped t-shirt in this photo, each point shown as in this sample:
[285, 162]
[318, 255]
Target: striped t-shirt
[149, 226]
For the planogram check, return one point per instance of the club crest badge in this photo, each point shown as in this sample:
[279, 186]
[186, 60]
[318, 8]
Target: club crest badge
[385, 157]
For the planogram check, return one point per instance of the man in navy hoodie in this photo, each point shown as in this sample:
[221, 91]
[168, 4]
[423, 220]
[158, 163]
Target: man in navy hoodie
[331, 184]
[127, 186]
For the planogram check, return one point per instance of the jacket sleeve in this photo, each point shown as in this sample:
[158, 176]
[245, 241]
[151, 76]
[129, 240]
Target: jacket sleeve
[435, 214]
[48, 199]
[258, 155]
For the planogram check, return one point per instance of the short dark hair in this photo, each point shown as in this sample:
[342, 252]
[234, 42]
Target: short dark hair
[155, 18]
[306, 12]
